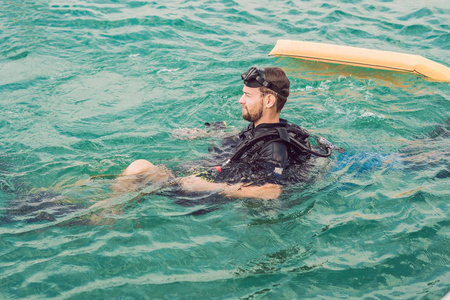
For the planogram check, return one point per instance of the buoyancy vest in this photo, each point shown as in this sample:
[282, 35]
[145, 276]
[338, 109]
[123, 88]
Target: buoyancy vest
[295, 137]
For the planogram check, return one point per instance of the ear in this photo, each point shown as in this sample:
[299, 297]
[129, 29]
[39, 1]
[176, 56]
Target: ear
[270, 101]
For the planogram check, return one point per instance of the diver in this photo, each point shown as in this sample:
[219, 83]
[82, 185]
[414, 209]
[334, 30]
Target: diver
[261, 153]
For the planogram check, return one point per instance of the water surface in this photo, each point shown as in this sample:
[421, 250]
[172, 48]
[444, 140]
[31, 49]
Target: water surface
[87, 87]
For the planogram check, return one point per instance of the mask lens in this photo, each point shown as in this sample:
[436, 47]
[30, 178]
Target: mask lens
[252, 73]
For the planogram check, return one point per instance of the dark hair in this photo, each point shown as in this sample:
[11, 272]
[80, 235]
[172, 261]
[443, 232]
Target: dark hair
[277, 77]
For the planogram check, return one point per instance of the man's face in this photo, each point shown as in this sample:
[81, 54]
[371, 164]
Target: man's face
[252, 104]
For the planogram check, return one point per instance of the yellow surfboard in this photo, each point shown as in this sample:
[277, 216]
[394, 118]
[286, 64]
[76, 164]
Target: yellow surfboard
[362, 57]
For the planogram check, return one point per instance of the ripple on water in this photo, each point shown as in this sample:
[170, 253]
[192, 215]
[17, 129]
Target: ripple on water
[88, 87]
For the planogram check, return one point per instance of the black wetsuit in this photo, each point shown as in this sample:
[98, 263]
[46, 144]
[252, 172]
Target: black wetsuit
[262, 162]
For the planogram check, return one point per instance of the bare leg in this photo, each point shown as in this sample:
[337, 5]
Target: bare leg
[138, 174]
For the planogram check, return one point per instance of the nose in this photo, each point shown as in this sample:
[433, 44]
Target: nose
[241, 100]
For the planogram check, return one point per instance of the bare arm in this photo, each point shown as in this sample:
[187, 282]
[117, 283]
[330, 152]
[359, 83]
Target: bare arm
[267, 191]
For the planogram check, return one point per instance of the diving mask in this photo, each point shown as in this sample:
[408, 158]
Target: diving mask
[255, 77]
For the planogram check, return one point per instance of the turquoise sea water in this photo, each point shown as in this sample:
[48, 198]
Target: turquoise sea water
[86, 87]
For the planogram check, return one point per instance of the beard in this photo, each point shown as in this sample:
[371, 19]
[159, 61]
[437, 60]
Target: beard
[252, 117]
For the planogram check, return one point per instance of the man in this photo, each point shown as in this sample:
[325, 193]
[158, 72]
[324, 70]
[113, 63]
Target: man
[260, 157]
